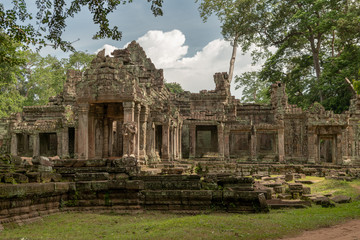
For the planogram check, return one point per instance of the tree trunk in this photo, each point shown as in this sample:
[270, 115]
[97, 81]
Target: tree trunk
[315, 48]
[233, 57]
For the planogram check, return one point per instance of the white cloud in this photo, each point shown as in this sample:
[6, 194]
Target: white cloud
[167, 50]
[108, 49]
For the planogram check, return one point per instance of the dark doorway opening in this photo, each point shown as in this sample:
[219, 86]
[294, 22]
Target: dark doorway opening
[158, 139]
[206, 141]
[327, 150]
[71, 132]
[48, 144]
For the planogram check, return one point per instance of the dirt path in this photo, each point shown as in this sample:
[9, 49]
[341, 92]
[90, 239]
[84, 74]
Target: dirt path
[346, 231]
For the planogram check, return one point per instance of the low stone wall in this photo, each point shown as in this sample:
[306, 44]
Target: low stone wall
[22, 203]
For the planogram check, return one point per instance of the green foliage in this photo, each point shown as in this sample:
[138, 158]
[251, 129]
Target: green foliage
[46, 25]
[29, 79]
[312, 46]
[174, 87]
[253, 90]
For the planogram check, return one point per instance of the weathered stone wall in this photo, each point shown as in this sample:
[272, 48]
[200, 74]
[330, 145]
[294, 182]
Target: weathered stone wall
[118, 191]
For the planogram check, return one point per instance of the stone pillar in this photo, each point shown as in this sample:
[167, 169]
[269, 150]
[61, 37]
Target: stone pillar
[165, 155]
[111, 137]
[338, 151]
[59, 143]
[137, 135]
[312, 147]
[14, 145]
[106, 138]
[128, 118]
[180, 141]
[220, 131]
[253, 143]
[226, 142]
[150, 143]
[143, 132]
[83, 131]
[281, 145]
[192, 141]
[65, 143]
[36, 145]
[91, 133]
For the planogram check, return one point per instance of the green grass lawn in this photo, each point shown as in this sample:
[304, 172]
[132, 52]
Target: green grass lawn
[154, 225]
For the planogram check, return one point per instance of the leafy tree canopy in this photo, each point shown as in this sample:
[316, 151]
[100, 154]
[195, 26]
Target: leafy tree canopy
[311, 45]
[50, 20]
[174, 87]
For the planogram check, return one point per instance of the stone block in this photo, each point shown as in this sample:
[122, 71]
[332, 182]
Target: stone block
[306, 190]
[134, 185]
[43, 168]
[91, 176]
[34, 176]
[289, 177]
[341, 199]
[83, 186]
[46, 177]
[99, 185]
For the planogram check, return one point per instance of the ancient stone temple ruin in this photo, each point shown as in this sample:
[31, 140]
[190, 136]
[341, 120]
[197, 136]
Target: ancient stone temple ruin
[117, 140]
[120, 107]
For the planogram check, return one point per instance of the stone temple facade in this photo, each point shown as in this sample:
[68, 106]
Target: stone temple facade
[120, 107]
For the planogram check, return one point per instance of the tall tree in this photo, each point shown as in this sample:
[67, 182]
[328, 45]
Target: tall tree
[11, 57]
[300, 41]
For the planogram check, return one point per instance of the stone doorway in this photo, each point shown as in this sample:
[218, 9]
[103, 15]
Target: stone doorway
[158, 140]
[24, 145]
[48, 144]
[71, 143]
[206, 141]
[105, 130]
[327, 150]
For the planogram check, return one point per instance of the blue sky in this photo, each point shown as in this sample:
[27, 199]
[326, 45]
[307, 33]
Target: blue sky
[189, 50]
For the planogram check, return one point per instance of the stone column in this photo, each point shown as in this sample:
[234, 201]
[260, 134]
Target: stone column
[253, 143]
[128, 118]
[226, 142]
[36, 145]
[338, 151]
[106, 138]
[150, 142]
[65, 142]
[220, 131]
[281, 145]
[192, 141]
[111, 137]
[83, 131]
[59, 143]
[180, 141]
[92, 132]
[312, 147]
[143, 132]
[14, 145]
[165, 142]
[137, 135]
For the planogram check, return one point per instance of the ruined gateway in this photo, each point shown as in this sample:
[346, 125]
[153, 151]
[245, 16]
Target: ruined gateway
[120, 107]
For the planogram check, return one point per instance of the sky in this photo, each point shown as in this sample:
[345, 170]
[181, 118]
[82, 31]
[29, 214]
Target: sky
[189, 50]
